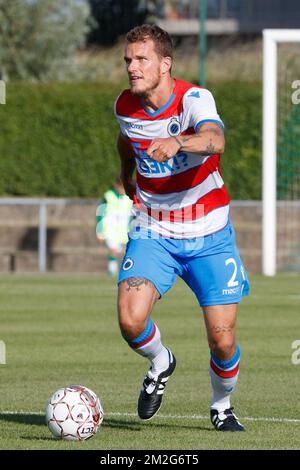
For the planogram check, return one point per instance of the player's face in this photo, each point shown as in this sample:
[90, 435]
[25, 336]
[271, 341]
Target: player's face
[144, 67]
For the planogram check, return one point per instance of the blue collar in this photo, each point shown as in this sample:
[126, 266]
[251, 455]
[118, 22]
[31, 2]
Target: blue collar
[160, 110]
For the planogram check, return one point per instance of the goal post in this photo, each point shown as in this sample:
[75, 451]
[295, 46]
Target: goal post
[271, 39]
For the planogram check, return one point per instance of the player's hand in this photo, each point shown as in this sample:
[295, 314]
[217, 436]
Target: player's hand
[162, 150]
[130, 187]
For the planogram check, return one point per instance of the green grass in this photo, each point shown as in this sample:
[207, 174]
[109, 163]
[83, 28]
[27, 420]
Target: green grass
[63, 329]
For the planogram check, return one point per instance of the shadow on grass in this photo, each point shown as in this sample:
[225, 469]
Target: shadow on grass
[39, 420]
[25, 418]
[140, 426]
[121, 424]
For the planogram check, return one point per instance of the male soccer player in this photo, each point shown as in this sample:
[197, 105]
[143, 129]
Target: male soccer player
[171, 133]
[113, 216]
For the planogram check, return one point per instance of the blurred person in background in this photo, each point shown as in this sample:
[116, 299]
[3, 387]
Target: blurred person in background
[113, 216]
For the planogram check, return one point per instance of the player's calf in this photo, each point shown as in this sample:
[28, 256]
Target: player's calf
[224, 376]
[148, 344]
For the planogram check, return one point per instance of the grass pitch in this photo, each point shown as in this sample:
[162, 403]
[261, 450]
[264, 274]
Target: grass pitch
[60, 330]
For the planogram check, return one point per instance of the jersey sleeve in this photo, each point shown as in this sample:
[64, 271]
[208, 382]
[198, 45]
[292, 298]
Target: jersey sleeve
[200, 107]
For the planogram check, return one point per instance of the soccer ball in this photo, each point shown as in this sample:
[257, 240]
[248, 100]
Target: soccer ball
[74, 413]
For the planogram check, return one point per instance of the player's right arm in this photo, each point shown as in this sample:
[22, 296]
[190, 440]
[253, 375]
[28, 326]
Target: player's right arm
[127, 165]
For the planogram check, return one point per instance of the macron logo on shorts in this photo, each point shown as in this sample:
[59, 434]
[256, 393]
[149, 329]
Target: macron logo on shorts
[234, 290]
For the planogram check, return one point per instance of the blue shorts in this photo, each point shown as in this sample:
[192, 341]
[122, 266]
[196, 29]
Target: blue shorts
[211, 266]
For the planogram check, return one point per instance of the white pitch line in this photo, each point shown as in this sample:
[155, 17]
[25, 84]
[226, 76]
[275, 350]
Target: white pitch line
[200, 417]
[193, 417]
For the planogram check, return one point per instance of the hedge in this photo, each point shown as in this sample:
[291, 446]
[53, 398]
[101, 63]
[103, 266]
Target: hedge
[59, 139]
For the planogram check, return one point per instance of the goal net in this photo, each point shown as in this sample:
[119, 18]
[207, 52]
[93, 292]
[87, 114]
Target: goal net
[281, 151]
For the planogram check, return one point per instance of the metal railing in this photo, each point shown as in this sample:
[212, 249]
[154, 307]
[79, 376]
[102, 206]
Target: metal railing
[288, 230]
[42, 204]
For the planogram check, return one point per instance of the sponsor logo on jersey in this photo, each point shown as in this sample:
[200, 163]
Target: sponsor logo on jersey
[138, 152]
[132, 125]
[152, 167]
[174, 127]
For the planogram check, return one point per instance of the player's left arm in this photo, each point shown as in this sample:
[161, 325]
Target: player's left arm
[208, 140]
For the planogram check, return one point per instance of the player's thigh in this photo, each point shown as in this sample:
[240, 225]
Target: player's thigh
[147, 272]
[113, 245]
[218, 277]
[149, 259]
[136, 298]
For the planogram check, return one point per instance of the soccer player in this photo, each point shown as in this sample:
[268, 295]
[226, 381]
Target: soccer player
[171, 133]
[113, 215]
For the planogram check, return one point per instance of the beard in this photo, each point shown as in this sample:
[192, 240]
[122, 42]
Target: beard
[147, 91]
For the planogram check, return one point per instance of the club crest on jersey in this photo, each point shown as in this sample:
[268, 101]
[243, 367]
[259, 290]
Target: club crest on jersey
[174, 127]
[128, 263]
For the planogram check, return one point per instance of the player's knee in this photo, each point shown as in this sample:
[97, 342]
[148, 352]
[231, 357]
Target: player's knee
[131, 328]
[223, 348]
[132, 320]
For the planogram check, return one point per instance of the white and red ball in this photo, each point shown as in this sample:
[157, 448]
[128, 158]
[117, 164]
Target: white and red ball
[74, 413]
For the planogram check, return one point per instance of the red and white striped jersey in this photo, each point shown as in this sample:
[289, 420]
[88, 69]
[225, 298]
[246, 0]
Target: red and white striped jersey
[184, 197]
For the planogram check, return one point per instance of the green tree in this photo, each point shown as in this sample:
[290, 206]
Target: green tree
[39, 38]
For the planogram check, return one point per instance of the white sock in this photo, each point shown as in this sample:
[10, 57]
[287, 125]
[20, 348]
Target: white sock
[221, 395]
[148, 344]
[224, 376]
